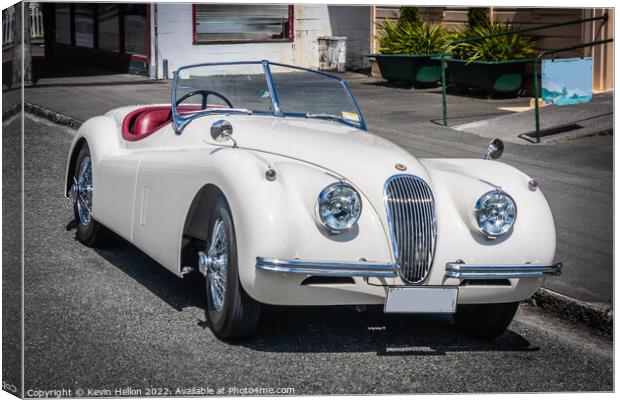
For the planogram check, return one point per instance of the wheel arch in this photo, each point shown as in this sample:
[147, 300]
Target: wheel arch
[197, 221]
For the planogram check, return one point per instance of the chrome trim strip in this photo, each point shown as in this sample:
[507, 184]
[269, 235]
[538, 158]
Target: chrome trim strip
[328, 268]
[469, 271]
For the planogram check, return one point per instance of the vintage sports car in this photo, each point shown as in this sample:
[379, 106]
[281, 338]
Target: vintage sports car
[263, 177]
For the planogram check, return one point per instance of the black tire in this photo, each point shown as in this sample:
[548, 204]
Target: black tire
[239, 316]
[484, 321]
[92, 234]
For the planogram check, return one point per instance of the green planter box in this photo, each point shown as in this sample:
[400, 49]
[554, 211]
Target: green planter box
[418, 69]
[492, 76]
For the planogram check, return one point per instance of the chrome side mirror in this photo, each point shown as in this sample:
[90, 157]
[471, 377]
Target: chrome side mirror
[495, 150]
[221, 131]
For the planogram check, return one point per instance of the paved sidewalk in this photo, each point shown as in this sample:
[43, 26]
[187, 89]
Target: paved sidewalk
[556, 122]
[575, 176]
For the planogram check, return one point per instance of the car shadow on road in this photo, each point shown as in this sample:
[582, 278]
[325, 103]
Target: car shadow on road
[342, 329]
[317, 329]
[176, 292]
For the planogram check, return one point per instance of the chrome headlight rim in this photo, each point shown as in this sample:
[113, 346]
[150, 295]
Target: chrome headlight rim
[480, 206]
[323, 196]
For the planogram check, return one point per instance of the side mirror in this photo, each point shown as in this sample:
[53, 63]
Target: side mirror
[495, 150]
[221, 131]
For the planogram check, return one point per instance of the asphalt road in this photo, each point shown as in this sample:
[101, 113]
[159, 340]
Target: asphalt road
[11, 254]
[112, 318]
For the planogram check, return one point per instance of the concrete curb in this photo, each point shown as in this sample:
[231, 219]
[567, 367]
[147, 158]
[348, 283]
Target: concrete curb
[599, 316]
[595, 315]
[10, 111]
[52, 116]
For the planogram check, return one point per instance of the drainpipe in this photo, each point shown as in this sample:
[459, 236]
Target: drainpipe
[153, 44]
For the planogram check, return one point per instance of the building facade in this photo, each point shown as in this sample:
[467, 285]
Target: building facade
[155, 39]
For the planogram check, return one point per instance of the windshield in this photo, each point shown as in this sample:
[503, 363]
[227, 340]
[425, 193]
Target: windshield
[261, 88]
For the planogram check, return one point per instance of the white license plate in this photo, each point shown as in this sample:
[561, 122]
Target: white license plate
[421, 300]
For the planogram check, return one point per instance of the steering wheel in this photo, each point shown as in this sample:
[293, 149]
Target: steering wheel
[205, 94]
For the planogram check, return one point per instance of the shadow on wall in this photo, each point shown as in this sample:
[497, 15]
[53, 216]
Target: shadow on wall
[354, 23]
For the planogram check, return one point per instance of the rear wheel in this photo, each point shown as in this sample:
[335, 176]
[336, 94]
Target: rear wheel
[231, 312]
[88, 231]
[485, 321]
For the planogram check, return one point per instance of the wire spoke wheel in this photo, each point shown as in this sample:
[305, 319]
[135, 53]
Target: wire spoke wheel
[84, 191]
[230, 311]
[217, 264]
[87, 229]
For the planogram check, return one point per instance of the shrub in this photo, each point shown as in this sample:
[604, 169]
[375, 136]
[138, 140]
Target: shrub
[501, 48]
[409, 14]
[478, 17]
[411, 38]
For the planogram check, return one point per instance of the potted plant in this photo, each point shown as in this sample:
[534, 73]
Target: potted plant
[407, 49]
[495, 64]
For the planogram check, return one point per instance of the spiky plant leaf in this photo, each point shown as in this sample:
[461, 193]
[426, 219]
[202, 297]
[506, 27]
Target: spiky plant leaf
[409, 38]
[500, 48]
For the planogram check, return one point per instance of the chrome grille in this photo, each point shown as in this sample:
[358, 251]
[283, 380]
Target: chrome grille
[413, 225]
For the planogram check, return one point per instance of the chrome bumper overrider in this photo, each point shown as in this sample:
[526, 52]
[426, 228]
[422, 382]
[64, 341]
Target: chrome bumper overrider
[328, 268]
[470, 271]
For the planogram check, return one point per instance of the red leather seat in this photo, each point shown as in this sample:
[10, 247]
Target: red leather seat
[149, 121]
[142, 122]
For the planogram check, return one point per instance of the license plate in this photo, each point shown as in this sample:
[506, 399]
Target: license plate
[421, 300]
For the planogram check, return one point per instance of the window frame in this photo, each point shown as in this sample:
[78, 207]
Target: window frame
[290, 38]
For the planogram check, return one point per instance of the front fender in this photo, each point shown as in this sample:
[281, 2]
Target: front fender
[283, 224]
[271, 218]
[457, 185]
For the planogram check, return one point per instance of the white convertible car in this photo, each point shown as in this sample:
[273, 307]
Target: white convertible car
[263, 177]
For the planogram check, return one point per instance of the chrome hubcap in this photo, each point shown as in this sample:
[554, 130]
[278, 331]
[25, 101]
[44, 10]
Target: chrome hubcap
[214, 264]
[82, 191]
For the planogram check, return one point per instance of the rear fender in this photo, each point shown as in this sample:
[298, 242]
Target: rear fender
[101, 135]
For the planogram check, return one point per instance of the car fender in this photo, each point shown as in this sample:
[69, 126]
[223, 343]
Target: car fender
[272, 218]
[99, 133]
[457, 185]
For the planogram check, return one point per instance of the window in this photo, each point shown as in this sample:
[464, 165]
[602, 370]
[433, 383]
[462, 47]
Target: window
[135, 28]
[84, 26]
[242, 23]
[108, 27]
[63, 23]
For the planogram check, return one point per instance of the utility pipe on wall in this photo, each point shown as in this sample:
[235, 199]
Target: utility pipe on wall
[153, 61]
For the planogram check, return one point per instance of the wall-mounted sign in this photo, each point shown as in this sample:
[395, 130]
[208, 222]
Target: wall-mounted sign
[567, 81]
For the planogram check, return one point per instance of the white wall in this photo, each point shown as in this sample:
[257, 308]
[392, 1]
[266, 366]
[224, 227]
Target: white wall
[174, 41]
[354, 23]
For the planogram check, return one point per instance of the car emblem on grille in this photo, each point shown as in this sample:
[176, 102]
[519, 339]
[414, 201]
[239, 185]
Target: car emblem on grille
[401, 167]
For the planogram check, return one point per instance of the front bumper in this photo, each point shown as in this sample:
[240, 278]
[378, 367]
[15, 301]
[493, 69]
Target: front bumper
[328, 268]
[390, 270]
[470, 271]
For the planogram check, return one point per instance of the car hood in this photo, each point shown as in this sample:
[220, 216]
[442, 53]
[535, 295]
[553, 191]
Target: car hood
[364, 159]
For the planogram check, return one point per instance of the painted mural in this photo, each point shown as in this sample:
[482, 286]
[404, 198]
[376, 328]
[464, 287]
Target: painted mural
[567, 81]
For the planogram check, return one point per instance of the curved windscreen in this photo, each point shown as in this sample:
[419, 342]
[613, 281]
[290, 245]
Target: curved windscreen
[261, 88]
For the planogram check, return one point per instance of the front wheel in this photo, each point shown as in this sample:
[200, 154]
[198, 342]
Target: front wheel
[231, 312]
[485, 321]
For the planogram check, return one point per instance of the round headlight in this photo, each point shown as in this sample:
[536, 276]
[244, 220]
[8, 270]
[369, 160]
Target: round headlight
[496, 212]
[339, 207]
